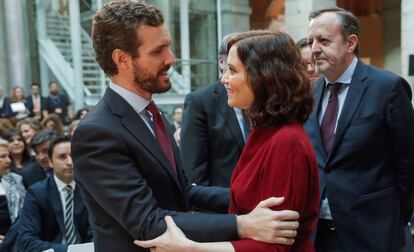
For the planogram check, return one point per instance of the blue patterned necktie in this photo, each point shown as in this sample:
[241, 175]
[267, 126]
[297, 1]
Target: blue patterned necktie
[70, 232]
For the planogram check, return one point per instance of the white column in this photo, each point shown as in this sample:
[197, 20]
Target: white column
[75, 35]
[407, 38]
[15, 42]
[185, 46]
[42, 35]
[297, 12]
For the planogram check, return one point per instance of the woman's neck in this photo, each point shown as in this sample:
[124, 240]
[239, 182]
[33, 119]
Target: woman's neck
[17, 160]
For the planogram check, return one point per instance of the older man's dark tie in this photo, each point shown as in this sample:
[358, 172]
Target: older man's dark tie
[329, 118]
[161, 134]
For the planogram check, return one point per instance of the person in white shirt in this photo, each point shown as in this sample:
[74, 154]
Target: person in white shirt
[54, 215]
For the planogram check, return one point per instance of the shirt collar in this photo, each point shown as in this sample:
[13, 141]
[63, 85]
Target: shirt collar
[61, 185]
[346, 76]
[137, 102]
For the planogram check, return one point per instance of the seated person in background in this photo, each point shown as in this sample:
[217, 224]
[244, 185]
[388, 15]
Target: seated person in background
[29, 127]
[40, 169]
[18, 150]
[17, 108]
[12, 191]
[53, 121]
[58, 104]
[265, 77]
[54, 215]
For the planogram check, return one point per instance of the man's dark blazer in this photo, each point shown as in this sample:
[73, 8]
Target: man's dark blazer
[211, 139]
[129, 186]
[3, 109]
[41, 222]
[32, 173]
[30, 106]
[368, 175]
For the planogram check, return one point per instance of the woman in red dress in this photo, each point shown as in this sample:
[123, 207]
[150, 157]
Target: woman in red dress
[265, 77]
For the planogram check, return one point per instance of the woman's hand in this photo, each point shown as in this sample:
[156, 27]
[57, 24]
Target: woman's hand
[172, 240]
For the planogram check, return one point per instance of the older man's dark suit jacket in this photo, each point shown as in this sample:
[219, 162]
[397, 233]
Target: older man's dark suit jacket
[41, 222]
[368, 175]
[211, 138]
[129, 185]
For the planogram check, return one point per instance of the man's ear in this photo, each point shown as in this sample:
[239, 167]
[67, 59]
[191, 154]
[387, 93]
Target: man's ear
[352, 42]
[121, 59]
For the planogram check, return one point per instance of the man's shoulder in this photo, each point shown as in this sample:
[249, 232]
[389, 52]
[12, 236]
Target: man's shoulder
[378, 74]
[205, 91]
[40, 187]
[35, 166]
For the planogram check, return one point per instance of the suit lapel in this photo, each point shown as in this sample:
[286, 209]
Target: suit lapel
[353, 98]
[137, 127]
[228, 114]
[54, 197]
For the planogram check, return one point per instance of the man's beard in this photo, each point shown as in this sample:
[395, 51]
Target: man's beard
[148, 82]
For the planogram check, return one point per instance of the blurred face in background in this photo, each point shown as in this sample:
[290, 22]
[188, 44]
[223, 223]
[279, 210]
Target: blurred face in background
[5, 160]
[35, 90]
[41, 154]
[305, 52]
[27, 132]
[53, 88]
[50, 124]
[178, 115]
[16, 145]
[18, 94]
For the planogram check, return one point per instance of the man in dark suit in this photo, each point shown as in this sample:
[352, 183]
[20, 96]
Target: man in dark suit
[53, 214]
[126, 162]
[35, 102]
[4, 102]
[58, 103]
[40, 169]
[362, 129]
[212, 138]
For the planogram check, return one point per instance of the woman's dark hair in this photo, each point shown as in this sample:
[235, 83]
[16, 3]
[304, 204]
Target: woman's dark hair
[9, 134]
[114, 27]
[276, 76]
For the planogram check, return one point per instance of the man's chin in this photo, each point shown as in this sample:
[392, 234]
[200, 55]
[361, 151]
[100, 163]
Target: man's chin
[163, 86]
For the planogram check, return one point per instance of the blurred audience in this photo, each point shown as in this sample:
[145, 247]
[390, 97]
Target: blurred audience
[18, 151]
[5, 123]
[73, 127]
[53, 121]
[4, 101]
[40, 169]
[16, 109]
[12, 191]
[54, 215]
[58, 104]
[28, 127]
[177, 118]
[81, 113]
[35, 102]
[305, 52]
